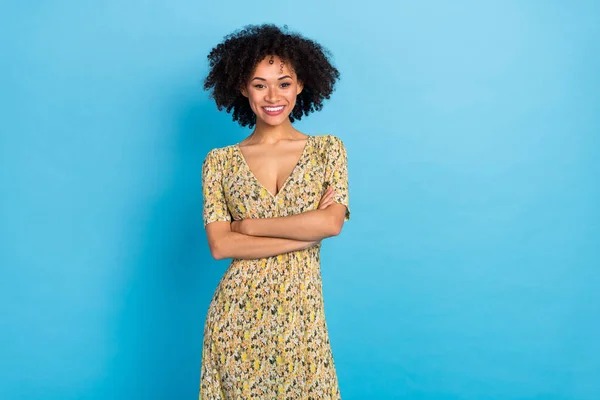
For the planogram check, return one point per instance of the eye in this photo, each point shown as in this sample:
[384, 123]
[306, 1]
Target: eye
[258, 86]
[285, 84]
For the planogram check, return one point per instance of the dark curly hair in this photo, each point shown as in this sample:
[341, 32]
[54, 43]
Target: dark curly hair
[233, 61]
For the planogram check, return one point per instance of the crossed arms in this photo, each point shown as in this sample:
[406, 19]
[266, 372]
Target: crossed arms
[265, 237]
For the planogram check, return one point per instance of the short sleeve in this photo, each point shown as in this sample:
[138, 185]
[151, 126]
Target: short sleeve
[214, 203]
[336, 171]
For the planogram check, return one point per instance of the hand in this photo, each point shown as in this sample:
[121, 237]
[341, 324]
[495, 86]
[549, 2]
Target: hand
[326, 199]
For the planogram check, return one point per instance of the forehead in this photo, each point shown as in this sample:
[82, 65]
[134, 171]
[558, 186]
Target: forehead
[273, 66]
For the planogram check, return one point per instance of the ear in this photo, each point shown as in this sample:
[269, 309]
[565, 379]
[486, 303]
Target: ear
[299, 87]
[244, 91]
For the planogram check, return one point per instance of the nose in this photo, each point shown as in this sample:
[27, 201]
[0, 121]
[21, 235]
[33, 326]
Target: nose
[272, 96]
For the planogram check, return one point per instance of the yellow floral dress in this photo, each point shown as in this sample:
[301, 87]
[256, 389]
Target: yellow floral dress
[265, 335]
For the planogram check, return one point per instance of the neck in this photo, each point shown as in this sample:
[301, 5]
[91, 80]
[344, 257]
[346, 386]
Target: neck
[265, 133]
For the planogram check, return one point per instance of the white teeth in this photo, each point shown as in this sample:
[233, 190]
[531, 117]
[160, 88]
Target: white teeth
[273, 108]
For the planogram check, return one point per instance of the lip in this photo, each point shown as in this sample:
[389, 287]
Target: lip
[273, 112]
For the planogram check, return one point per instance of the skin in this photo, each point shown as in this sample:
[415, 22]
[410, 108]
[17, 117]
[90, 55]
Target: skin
[271, 151]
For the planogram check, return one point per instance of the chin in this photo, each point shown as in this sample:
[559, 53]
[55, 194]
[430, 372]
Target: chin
[275, 121]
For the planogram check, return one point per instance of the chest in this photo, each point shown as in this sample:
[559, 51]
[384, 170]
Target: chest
[271, 168]
[293, 188]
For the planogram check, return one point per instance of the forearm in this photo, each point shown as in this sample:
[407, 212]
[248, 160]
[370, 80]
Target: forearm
[306, 226]
[242, 246]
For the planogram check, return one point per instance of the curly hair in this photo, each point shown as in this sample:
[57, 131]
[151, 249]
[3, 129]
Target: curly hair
[233, 61]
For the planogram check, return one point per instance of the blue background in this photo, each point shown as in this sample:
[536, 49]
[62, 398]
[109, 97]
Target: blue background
[469, 268]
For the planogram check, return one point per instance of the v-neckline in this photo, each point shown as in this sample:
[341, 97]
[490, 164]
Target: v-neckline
[247, 166]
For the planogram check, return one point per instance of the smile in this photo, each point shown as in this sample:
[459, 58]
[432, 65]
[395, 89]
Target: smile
[273, 110]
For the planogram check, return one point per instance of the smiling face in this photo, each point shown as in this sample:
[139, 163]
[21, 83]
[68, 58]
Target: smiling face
[272, 91]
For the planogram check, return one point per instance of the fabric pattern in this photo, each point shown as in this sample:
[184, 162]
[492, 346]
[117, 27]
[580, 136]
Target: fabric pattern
[265, 335]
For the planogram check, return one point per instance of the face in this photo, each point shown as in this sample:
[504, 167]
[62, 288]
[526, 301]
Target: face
[272, 91]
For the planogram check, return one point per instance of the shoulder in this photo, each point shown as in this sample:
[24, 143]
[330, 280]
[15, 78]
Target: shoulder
[336, 141]
[327, 140]
[331, 144]
[218, 155]
[329, 148]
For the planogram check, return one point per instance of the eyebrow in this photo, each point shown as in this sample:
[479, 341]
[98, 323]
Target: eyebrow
[263, 79]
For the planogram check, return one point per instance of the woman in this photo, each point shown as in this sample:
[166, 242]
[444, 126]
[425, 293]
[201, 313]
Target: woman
[268, 202]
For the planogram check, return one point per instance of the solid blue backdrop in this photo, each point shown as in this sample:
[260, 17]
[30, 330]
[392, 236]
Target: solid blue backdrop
[469, 269]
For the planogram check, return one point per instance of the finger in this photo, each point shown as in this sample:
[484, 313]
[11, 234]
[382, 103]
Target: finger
[328, 193]
[328, 199]
[326, 203]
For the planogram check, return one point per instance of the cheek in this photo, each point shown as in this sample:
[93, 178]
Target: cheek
[292, 97]
[253, 100]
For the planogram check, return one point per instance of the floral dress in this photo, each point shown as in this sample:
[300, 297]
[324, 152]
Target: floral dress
[265, 335]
